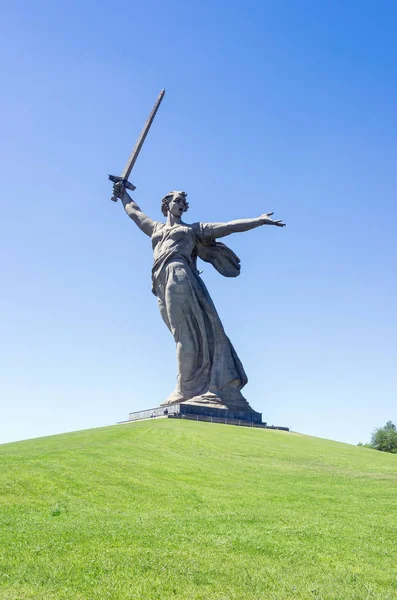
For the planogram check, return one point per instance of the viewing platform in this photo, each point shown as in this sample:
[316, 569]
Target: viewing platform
[202, 413]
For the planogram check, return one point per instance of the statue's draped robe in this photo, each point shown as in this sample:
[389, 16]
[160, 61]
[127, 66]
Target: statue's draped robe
[207, 361]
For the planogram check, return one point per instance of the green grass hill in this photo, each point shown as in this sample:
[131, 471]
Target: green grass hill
[164, 509]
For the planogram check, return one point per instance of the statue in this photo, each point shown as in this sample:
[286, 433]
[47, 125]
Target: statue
[209, 370]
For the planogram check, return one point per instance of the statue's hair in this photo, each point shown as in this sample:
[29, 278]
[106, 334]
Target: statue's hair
[167, 199]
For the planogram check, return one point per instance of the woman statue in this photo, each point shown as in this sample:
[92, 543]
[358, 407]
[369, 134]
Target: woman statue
[209, 370]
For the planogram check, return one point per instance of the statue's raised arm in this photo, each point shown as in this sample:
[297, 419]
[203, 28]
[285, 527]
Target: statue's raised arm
[145, 223]
[219, 230]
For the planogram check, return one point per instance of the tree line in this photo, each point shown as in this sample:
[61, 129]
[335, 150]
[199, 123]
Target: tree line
[383, 439]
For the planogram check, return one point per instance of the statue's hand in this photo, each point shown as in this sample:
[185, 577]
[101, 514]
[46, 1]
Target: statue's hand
[119, 191]
[266, 220]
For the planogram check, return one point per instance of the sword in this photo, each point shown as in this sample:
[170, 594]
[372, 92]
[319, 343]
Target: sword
[136, 150]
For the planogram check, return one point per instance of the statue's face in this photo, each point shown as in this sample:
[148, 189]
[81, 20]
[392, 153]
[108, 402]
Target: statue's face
[177, 205]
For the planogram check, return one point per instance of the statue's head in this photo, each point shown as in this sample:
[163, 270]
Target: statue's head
[175, 203]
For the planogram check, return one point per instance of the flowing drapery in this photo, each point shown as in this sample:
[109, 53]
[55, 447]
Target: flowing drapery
[207, 361]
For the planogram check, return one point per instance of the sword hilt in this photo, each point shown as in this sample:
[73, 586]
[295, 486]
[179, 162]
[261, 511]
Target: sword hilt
[125, 182]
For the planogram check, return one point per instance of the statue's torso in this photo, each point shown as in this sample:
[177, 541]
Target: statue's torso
[174, 248]
[177, 241]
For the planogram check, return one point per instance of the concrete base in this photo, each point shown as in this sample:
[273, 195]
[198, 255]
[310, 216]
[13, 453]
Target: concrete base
[201, 413]
[197, 410]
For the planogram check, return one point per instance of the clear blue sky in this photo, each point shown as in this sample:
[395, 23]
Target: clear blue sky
[285, 106]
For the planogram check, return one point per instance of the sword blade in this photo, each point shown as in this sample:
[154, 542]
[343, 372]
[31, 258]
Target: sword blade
[137, 148]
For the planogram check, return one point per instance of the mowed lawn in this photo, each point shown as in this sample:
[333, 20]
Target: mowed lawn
[177, 509]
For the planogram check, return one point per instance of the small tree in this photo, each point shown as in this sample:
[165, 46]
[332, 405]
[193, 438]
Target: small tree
[385, 438]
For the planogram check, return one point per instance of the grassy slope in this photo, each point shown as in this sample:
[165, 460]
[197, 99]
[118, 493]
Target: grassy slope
[167, 509]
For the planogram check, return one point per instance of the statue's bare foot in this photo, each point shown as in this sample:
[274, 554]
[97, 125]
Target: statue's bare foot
[175, 398]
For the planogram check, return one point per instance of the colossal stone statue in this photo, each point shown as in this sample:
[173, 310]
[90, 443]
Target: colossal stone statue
[209, 370]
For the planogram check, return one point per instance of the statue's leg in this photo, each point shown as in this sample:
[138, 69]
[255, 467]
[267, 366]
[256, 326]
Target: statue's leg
[227, 376]
[187, 324]
[209, 370]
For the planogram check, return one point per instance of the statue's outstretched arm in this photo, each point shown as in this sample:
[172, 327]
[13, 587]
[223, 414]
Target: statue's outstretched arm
[219, 230]
[133, 211]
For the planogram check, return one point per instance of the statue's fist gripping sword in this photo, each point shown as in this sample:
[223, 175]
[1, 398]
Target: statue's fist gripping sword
[123, 179]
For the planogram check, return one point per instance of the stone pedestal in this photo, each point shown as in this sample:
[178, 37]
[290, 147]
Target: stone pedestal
[191, 408]
[247, 418]
[200, 410]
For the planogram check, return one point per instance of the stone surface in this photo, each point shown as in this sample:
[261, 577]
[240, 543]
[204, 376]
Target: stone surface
[210, 374]
[185, 408]
[201, 413]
